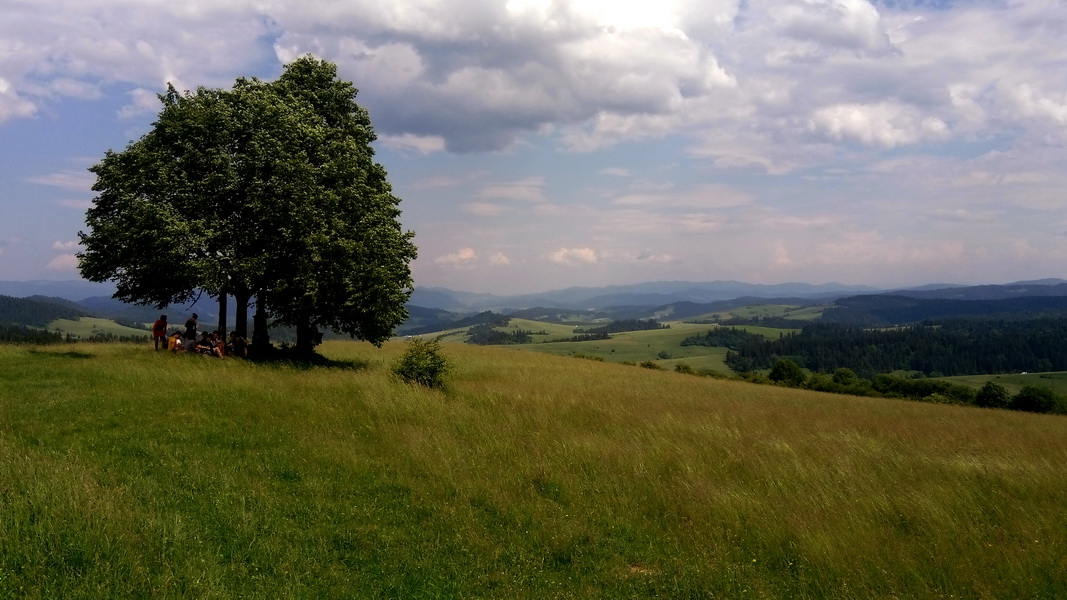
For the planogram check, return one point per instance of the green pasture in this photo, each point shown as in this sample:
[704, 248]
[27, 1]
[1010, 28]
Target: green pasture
[86, 327]
[126, 473]
[1014, 382]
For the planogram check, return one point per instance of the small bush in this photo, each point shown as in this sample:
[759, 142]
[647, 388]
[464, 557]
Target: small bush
[649, 364]
[423, 363]
[684, 368]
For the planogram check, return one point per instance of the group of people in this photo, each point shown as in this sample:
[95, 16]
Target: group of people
[210, 343]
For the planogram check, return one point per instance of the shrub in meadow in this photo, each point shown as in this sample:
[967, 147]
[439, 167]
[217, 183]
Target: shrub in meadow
[423, 363]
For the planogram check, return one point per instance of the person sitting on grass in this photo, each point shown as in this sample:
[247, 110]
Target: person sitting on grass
[237, 346]
[175, 344]
[206, 344]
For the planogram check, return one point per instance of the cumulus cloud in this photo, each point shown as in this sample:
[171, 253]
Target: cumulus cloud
[462, 258]
[573, 256]
[747, 82]
[499, 259]
[67, 245]
[63, 262]
[883, 124]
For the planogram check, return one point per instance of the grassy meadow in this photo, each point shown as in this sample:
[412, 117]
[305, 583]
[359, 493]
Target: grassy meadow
[87, 327]
[130, 473]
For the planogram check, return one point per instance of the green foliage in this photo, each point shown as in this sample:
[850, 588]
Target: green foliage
[619, 326]
[787, 372]
[650, 364]
[727, 337]
[951, 347]
[1038, 400]
[38, 313]
[423, 363]
[486, 335]
[267, 190]
[992, 395]
[20, 334]
[845, 376]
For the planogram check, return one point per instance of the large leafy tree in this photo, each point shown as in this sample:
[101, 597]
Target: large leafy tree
[267, 190]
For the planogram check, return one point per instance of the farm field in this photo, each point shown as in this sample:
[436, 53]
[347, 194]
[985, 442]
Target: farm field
[130, 473]
[661, 346]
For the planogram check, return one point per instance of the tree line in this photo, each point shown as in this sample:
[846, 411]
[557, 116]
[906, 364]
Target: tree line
[619, 326]
[942, 348]
[883, 385]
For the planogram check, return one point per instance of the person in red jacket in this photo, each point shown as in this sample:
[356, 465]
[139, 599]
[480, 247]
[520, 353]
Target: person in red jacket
[159, 332]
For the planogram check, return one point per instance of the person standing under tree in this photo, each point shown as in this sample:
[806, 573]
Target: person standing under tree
[159, 332]
[190, 332]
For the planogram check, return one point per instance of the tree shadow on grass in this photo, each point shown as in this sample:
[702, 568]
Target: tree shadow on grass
[68, 354]
[286, 357]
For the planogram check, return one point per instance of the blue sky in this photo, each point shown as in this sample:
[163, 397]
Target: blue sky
[539, 145]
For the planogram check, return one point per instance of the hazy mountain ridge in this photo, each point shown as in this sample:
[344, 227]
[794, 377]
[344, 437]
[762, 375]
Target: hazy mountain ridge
[433, 309]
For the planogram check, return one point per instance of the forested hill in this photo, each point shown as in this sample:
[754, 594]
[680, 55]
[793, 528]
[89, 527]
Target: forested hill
[36, 312]
[883, 310]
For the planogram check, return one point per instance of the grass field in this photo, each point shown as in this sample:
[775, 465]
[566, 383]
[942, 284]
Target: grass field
[1013, 382]
[130, 473]
[86, 327]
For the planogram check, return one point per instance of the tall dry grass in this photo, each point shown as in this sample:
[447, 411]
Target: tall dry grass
[129, 473]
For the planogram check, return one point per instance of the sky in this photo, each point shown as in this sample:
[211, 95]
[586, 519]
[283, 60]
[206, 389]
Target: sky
[544, 144]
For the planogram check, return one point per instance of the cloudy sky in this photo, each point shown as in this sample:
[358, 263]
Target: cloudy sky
[540, 144]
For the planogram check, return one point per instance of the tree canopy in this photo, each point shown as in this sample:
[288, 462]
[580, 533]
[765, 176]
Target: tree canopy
[266, 190]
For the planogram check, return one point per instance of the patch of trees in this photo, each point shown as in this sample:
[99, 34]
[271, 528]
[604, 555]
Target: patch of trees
[20, 334]
[885, 310]
[619, 326]
[726, 337]
[37, 313]
[774, 322]
[587, 337]
[950, 347]
[485, 335]
[991, 395]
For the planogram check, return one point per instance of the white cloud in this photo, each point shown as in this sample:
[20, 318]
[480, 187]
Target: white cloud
[527, 190]
[573, 256]
[462, 258]
[883, 124]
[63, 262]
[421, 144]
[77, 181]
[68, 245]
[499, 259]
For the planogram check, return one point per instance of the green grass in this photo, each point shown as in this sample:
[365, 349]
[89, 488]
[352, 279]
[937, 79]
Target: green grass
[130, 473]
[1014, 382]
[86, 327]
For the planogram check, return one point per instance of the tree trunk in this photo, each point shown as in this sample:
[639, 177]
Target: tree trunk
[241, 299]
[222, 314]
[260, 337]
[307, 337]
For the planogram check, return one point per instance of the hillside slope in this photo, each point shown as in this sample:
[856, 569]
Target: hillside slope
[531, 476]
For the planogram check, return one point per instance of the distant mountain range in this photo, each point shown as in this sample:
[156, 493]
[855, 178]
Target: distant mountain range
[638, 294]
[440, 308]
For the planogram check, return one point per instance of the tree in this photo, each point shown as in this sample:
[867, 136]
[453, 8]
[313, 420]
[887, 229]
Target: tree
[1035, 399]
[266, 191]
[992, 395]
[788, 372]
